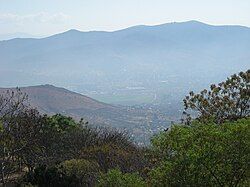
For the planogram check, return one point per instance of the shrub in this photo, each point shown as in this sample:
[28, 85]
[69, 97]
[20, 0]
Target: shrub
[68, 173]
[45, 176]
[116, 178]
[111, 156]
[82, 172]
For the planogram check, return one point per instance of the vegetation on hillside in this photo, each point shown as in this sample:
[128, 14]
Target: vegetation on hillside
[211, 150]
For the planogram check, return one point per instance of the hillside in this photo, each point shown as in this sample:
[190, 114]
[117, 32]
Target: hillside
[132, 65]
[140, 122]
[50, 99]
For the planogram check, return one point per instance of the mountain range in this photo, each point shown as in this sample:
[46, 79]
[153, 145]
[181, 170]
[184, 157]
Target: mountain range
[141, 64]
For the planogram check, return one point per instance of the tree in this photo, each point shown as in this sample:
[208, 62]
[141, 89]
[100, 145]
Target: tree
[28, 128]
[12, 103]
[203, 155]
[229, 100]
[56, 135]
[20, 142]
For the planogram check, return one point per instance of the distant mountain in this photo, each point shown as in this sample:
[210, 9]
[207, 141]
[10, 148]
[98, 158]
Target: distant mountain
[51, 100]
[16, 35]
[164, 61]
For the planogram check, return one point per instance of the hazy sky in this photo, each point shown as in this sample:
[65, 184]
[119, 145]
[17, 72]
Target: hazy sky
[43, 17]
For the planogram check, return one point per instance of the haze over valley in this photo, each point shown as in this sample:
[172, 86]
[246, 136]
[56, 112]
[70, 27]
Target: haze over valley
[141, 65]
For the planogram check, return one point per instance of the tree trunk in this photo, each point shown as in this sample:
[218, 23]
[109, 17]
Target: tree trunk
[2, 174]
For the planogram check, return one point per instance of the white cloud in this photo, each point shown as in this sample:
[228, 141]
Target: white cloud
[41, 17]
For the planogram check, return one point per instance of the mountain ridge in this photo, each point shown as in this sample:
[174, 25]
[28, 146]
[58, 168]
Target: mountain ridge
[193, 22]
[102, 64]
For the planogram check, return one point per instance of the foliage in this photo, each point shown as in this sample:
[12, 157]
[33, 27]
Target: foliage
[55, 139]
[115, 177]
[203, 155]
[45, 176]
[114, 150]
[54, 146]
[69, 173]
[13, 139]
[59, 123]
[229, 100]
[110, 156]
[83, 172]
[59, 151]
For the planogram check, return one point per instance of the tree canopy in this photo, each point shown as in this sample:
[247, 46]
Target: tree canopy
[203, 155]
[229, 100]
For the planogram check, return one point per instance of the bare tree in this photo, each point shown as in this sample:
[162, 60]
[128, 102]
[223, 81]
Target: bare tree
[11, 104]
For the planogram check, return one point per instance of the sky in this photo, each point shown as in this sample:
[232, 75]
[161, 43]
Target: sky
[47, 17]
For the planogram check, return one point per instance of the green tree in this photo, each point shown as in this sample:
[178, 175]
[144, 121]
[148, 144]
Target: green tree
[203, 155]
[56, 138]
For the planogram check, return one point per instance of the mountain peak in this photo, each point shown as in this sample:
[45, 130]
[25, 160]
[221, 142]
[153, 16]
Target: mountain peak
[73, 31]
[194, 22]
[185, 23]
[47, 85]
[44, 86]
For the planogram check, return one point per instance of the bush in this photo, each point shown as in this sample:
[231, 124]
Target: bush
[82, 172]
[111, 156]
[69, 173]
[45, 176]
[116, 178]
